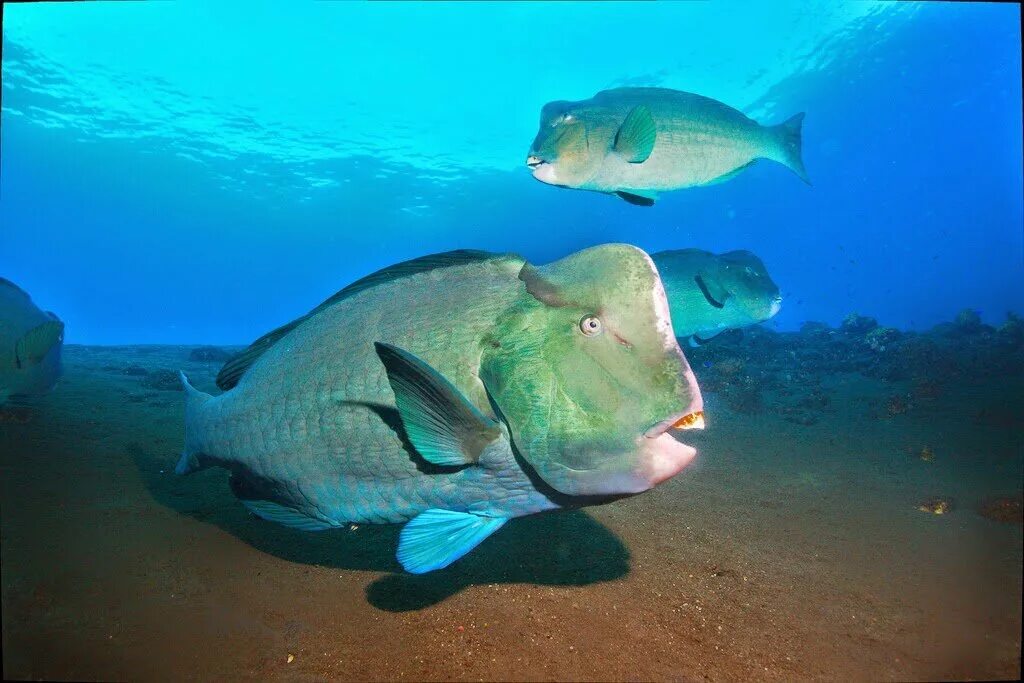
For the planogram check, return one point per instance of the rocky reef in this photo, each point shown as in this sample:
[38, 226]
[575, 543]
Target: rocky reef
[209, 354]
[741, 366]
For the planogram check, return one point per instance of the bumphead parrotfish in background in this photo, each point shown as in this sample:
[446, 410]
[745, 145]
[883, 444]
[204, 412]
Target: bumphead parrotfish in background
[30, 344]
[457, 391]
[709, 293]
[637, 142]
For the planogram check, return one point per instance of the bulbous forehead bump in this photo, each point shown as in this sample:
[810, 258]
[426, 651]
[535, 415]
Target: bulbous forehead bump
[744, 259]
[552, 110]
[611, 278]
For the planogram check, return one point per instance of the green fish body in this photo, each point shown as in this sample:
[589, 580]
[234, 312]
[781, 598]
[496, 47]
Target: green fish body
[456, 391]
[710, 293]
[30, 344]
[637, 142]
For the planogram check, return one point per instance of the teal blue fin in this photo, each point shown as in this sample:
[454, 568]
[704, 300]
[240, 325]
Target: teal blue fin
[290, 517]
[33, 346]
[436, 538]
[645, 199]
[441, 423]
[233, 370]
[635, 137]
[790, 143]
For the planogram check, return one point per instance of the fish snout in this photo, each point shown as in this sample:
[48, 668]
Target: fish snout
[542, 170]
[662, 455]
[776, 305]
[545, 172]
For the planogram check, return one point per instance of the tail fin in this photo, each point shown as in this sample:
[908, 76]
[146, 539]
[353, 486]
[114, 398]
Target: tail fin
[191, 460]
[789, 141]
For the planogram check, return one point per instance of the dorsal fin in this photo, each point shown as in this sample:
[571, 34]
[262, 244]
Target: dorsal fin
[233, 370]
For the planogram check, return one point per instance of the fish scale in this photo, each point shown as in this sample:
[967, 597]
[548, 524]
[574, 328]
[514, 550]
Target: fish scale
[336, 451]
[640, 141]
[373, 407]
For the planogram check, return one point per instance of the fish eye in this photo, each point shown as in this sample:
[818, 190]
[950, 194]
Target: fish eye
[564, 118]
[590, 325]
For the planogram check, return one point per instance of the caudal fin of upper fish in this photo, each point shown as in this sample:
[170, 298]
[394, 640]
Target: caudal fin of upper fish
[789, 145]
[191, 457]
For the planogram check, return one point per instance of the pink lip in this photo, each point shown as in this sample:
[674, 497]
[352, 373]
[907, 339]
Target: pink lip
[664, 457]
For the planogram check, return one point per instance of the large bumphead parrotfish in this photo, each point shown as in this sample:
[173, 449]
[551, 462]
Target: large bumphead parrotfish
[637, 142]
[710, 293]
[457, 391]
[30, 344]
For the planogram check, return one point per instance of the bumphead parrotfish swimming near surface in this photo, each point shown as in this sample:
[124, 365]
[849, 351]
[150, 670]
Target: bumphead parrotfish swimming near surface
[455, 392]
[637, 142]
[709, 293]
[30, 344]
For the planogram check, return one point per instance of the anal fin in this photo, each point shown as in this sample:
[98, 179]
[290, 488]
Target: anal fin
[704, 337]
[289, 517]
[252, 496]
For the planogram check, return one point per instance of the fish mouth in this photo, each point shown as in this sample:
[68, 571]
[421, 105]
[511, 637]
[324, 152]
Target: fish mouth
[663, 455]
[693, 419]
[543, 170]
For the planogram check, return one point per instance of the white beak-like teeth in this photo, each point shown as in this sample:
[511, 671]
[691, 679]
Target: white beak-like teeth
[694, 420]
[690, 421]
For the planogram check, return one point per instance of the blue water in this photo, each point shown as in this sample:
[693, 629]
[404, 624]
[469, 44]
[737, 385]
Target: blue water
[188, 173]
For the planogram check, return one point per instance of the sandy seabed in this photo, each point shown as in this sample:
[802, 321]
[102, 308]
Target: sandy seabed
[794, 548]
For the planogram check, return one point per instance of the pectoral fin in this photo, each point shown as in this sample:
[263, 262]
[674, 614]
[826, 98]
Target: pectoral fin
[37, 342]
[715, 294]
[444, 427]
[635, 137]
[436, 538]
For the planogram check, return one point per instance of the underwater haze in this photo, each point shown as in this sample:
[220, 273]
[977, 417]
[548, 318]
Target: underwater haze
[199, 173]
[489, 460]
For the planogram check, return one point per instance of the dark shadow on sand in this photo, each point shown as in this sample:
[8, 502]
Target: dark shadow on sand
[561, 548]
